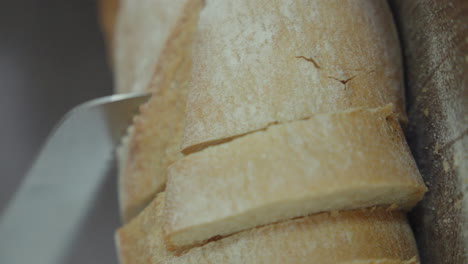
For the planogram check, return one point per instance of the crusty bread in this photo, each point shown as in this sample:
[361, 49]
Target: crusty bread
[358, 237]
[260, 62]
[157, 132]
[143, 30]
[334, 161]
[291, 109]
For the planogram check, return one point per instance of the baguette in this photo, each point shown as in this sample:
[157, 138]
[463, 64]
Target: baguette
[358, 237]
[291, 109]
[337, 161]
[261, 62]
[154, 139]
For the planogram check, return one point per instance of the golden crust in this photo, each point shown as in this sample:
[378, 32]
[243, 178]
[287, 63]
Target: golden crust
[261, 62]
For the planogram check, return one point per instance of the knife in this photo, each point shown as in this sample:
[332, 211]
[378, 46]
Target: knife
[39, 224]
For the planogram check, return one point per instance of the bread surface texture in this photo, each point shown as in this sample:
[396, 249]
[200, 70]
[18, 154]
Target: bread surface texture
[154, 140]
[334, 161]
[359, 237]
[266, 61]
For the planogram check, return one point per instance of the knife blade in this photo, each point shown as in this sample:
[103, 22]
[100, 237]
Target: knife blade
[40, 222]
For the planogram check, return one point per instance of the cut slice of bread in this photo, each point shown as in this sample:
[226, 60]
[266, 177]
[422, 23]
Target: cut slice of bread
[335, 161]
[259, 62]
[157, 132]
[358, 237]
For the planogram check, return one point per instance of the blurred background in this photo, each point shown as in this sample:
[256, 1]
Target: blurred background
[52, 57]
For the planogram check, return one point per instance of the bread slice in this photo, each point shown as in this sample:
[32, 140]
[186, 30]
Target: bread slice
[142, 33]
[335, 161]
[259, 62]
[358, 237]
[157, 132]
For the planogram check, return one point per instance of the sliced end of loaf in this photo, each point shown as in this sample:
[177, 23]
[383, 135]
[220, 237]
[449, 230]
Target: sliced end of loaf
[335, 161]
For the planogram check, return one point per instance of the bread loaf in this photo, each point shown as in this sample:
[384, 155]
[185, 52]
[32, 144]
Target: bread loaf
[358, 237]
[435, 39]
[336, 161]
[154, 139]
[261, 62]
[291, 111]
